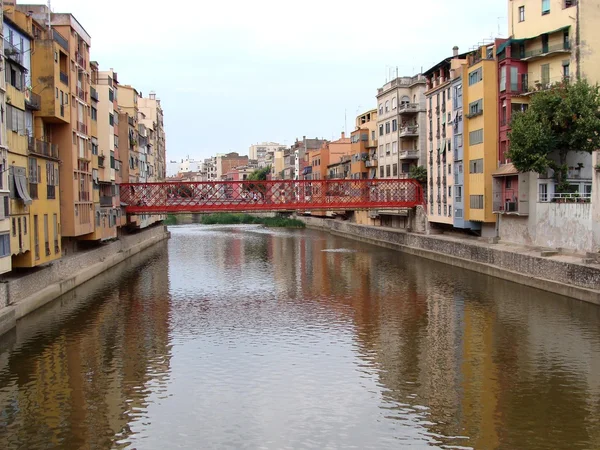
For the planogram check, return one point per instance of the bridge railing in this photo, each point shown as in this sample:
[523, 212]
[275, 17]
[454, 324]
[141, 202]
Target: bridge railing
[282, 195]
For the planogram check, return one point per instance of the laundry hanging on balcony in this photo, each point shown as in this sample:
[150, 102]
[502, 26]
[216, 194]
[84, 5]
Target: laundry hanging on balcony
[21, 184]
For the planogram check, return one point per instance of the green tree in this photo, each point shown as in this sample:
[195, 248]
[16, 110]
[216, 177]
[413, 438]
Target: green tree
[419, 173]
[259, 174]
[562, 119]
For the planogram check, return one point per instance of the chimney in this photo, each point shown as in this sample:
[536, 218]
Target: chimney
[343, 135]
[455, 51]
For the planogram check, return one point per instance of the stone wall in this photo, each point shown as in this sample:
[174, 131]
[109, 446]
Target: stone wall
[579, 281]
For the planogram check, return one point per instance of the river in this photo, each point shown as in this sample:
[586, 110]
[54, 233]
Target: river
[246, 337]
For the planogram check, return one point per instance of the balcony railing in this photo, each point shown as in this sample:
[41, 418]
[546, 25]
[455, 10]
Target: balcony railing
[81, 94]
[13, 52]
[64, 78]
[371, 163]
[408, 108]
[130, 121]
[408, 154]
[105, 200]
[82, 127]
[101, 161]
[565, 197]
[44, 148]
[51, 192]
[33, 101]
[30, 142]
[94, 94]
[409, 131]
[60, 40]
[80, 59]
[544, 50]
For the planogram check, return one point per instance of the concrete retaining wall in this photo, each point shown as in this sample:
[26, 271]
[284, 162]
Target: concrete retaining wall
[579, 281]
[20, 296]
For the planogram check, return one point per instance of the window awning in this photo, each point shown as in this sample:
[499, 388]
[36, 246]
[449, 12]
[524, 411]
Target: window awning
[22, 191]
[506, 170]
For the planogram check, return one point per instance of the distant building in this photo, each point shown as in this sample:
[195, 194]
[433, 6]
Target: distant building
[226, 162]
[259, 151]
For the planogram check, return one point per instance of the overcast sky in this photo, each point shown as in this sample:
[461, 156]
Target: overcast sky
[234, 73]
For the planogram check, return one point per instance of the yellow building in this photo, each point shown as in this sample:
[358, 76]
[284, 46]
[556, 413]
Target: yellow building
[32, 156]
[480, 106]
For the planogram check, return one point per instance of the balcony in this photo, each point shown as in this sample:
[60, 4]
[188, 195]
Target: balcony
[408, 108]
[30, 142]
[81, 94]
[408, 154]
[13, 52]
[46, 149]
[80, 60]
[82, 127]
[33, 101]
[64, 78]
[106, 201]
[474, 114]
[371, 163]
[130, 121]
[94, 94]
[60, 40]
[410, 131]
[101, 161]
[543, 51]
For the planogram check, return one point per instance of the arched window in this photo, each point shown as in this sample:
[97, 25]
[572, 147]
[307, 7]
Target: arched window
[405, 100]
[394, 102]
[387, 105]
[380, 108]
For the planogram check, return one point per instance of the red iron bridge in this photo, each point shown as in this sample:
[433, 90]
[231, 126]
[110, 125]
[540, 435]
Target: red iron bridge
[277, 195]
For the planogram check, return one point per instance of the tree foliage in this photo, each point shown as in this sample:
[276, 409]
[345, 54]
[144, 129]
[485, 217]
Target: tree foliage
[259, 174]
[419, 173]
[562, 119]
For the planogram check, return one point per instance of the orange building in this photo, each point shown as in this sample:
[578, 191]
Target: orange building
[329, 153]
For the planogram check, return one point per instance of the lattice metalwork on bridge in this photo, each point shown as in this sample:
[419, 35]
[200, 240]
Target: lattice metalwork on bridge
[284, 195]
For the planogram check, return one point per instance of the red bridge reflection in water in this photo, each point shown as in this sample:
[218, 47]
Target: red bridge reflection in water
[280, 195]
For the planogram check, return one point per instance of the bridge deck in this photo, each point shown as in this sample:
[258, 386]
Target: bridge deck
[281, 195]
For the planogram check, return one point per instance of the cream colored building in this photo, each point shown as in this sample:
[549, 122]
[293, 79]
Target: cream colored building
[154, 120]
[401, 124]
[260, 151]
[5, 253]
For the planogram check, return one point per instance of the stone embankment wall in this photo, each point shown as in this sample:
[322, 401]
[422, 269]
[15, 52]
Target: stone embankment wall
[580, 281]
[22, 295]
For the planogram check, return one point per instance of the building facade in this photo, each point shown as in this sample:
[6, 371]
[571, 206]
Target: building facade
[442, 127]
[401, 125]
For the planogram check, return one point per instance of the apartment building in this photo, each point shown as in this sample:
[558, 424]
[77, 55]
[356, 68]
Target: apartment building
[61, 75]
[259, 151]
[33, 159]
[441, 121]
[153, 120]
[231, 160]
[401, 122]
[364, 146]
[301, 149]
[5, 200]
[329, 153]
[480, 106]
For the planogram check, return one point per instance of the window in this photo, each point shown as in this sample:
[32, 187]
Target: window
[373, 135]
[36, 237]
[394, 103]
[521, 14]
[476, 76]
[545, 74]
[394, 125]
[381, 150]
[4, 245]
[94, 113]
[387, 148]
[569, 3]
[111, 120]
[111, 95]
[476, 166]
[24, 225]
[449, 191]
[449, 169]
[381, 174]
[545, 7]
[380, 108]
[387, 171]
[55, 221]
[503, 79]
[476, 201]
[46, 237]
[565, 66]
[458, 193]
[387, 128]
[405, 167]
[543, 191]
[394, 147]
[476, 137]
[476, 108]
[380, 130]
[387, 105]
